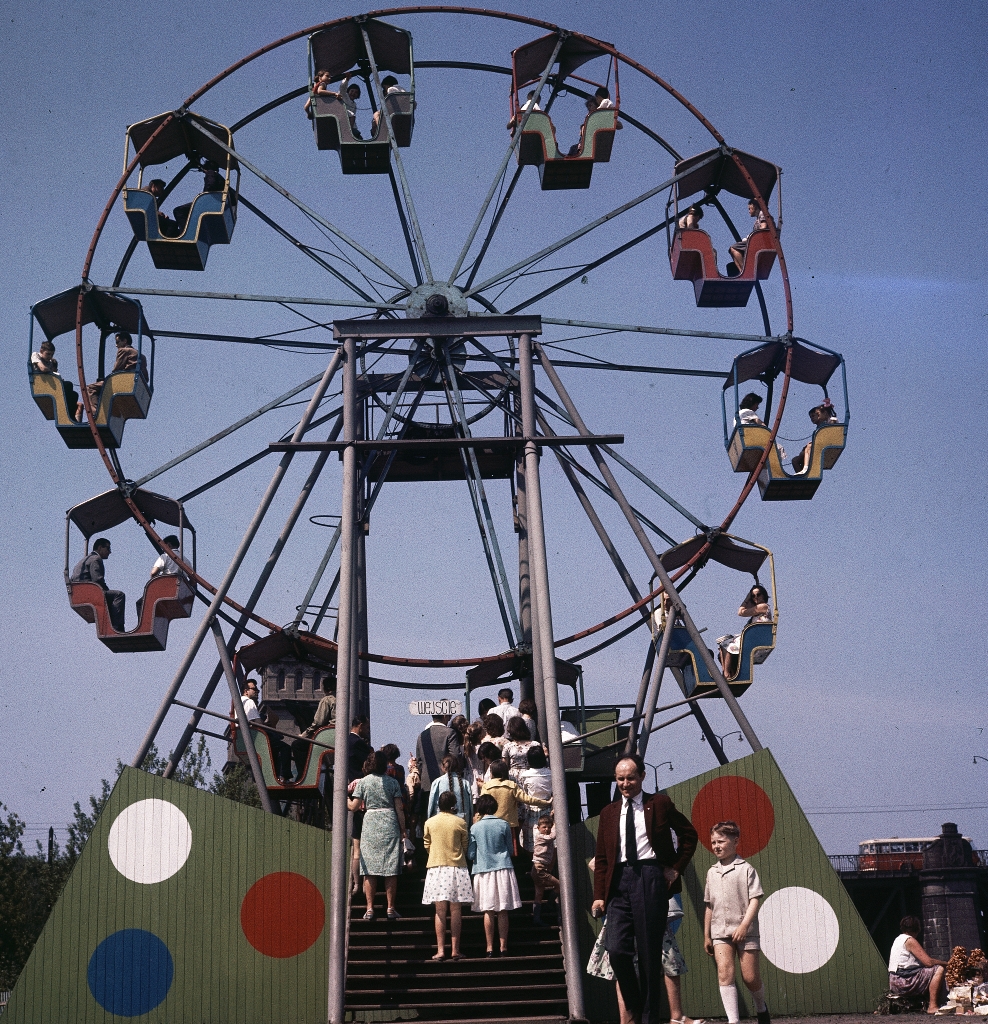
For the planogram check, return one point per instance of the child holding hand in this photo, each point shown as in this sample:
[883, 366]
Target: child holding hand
[542, 857]
[730, 925]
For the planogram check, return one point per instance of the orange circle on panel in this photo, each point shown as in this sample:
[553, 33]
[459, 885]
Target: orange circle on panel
[282, 914]
[735, 798]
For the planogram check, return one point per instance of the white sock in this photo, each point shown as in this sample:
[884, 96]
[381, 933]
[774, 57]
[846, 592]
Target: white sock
[759, 998]
[729, 997]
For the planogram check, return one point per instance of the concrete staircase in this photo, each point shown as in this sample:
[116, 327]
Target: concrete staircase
[391, 976]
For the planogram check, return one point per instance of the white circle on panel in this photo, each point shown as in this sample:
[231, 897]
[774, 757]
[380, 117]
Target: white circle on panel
[799, 930]
[149, 841]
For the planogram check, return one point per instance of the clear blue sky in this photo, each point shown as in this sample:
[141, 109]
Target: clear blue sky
[875, 695]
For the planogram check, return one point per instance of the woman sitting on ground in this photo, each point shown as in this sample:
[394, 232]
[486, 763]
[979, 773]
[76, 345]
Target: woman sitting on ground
[912, 971]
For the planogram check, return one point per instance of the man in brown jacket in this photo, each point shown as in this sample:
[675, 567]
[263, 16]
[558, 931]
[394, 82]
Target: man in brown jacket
[636, 868]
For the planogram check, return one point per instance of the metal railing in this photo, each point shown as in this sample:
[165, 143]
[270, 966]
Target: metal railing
[848, 862]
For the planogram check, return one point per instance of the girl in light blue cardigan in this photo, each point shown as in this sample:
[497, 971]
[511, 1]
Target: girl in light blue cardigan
[495, 888]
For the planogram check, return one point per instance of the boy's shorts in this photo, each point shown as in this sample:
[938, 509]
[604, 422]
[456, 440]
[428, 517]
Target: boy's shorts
[673, 964]
[542, 876]
[749, 942]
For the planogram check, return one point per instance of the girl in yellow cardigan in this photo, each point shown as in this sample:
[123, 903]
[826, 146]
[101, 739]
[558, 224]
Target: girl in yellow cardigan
[447, 881]
[508, 795]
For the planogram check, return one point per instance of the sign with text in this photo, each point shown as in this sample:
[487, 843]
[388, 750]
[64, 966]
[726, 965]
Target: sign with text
[436, 707]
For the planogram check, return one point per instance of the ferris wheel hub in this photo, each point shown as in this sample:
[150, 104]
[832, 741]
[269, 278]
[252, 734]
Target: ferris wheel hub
[435, 299]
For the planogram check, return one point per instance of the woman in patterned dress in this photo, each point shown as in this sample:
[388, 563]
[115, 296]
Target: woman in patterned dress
[379, 796]
[447, 881]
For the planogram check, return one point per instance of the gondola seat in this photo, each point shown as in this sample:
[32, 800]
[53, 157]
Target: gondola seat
[775, 483]
[125, 395]
[757, 643]
[332, 128]
[538, 147]
[165, 598]
[693, 258]
[211, 222]
[318, 756]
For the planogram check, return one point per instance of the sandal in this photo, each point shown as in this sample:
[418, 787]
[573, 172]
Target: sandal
[439, 956]
[457, 956]
[393, 915]
[369, 916]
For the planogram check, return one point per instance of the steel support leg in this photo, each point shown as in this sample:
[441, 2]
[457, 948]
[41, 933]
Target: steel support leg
[530, 686]
[239, 556]
[653, 690]
[543, 640]
[340, 863]
[242, 724]
[678, 608]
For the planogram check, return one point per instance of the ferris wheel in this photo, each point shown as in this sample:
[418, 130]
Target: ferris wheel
[430, 327]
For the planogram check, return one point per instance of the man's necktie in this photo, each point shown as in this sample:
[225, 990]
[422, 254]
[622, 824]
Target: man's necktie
[630, 835]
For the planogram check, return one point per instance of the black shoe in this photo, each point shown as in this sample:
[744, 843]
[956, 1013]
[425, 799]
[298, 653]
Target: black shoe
[733, 270]
[764, 1018]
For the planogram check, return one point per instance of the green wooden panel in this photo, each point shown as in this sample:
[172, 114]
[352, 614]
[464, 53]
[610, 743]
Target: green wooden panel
[825, 960]
[242, 865]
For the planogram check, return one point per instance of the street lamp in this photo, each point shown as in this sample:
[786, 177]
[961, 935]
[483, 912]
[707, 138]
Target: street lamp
[720, 739]
[655, 768]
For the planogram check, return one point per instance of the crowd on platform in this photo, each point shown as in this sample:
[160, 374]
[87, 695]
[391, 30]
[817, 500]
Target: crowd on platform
[475, 804]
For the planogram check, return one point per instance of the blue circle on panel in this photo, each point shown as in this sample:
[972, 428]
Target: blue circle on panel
[130, 972]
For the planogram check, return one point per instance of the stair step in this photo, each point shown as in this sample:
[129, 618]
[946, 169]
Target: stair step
[389, 996]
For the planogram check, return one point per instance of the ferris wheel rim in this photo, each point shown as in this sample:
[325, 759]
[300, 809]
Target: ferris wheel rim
[110, 458]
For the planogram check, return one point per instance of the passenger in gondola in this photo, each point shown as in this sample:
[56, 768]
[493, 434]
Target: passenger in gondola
[91, 570]
[213, 181]
[530, 104]
[390, 87]
[164, 566]
[44, 361]
[349, 99]
[167, 227]
[281, 752]
[739, 249]
[127, 361]
[692, 217]
[820, 416]
[325, 715]
[320, 87]
[755, 608]
[748, 409]
[602, 98]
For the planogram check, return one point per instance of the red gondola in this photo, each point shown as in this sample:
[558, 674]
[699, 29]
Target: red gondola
[691, 252]
[166, 597]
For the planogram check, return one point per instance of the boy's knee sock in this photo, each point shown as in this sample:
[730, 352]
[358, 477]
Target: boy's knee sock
[729, 997]
[759, 998]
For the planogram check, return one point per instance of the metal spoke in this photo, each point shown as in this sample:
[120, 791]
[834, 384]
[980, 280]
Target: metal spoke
[515, 139]
[671, 331]
[499, 213]
[586, 229]
[307, 210]
[303, 248]
[481, 504]
[383, 111]
[228, 430]
[245, 297]
[337, 533]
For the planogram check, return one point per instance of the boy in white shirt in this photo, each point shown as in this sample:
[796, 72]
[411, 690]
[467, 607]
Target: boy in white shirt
[729, 923]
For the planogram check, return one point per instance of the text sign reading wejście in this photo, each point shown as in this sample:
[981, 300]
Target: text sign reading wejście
[436, 707]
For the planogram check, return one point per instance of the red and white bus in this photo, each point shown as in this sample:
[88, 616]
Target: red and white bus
[894, 854]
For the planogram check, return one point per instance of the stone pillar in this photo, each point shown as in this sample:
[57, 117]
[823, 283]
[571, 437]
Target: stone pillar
[949, 886]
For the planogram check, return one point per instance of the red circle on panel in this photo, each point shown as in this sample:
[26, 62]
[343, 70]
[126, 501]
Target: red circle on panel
[735, 798]
[282, 914]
